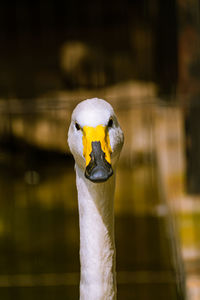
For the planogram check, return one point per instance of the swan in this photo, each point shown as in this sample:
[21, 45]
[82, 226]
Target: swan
[95, 139]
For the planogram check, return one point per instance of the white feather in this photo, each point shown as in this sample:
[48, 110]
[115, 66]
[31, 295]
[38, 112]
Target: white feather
[96, 214]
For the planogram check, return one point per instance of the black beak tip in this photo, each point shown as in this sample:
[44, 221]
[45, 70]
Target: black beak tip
[99, 174]
[98, 170]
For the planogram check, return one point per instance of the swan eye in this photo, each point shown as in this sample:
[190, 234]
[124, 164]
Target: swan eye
[78, 127]
[110, 123]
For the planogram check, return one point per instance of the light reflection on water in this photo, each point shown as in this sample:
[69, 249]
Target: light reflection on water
[39, 234]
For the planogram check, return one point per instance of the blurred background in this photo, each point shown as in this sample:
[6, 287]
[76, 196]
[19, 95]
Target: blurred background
[143, 56]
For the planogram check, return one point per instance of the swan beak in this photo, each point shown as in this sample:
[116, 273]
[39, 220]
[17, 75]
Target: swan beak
[97, 152]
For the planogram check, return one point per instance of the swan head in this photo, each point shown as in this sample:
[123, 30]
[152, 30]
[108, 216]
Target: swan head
[95, 139]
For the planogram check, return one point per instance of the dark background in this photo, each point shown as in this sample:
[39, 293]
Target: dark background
[128, 40]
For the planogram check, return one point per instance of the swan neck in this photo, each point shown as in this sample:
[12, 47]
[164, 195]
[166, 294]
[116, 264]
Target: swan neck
[97, 247]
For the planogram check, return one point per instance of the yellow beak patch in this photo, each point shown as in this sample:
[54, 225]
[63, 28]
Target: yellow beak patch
[96, 134]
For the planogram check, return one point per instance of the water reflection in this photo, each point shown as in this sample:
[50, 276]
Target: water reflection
[39, 234]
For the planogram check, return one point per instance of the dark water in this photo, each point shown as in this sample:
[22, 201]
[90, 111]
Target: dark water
[39, 233]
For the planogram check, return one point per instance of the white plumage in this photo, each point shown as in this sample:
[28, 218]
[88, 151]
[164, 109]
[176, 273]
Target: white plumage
[95, 196]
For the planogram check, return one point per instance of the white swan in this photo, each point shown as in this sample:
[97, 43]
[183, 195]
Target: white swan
[95, 140]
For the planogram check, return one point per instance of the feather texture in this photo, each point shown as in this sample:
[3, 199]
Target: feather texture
[95, 202]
